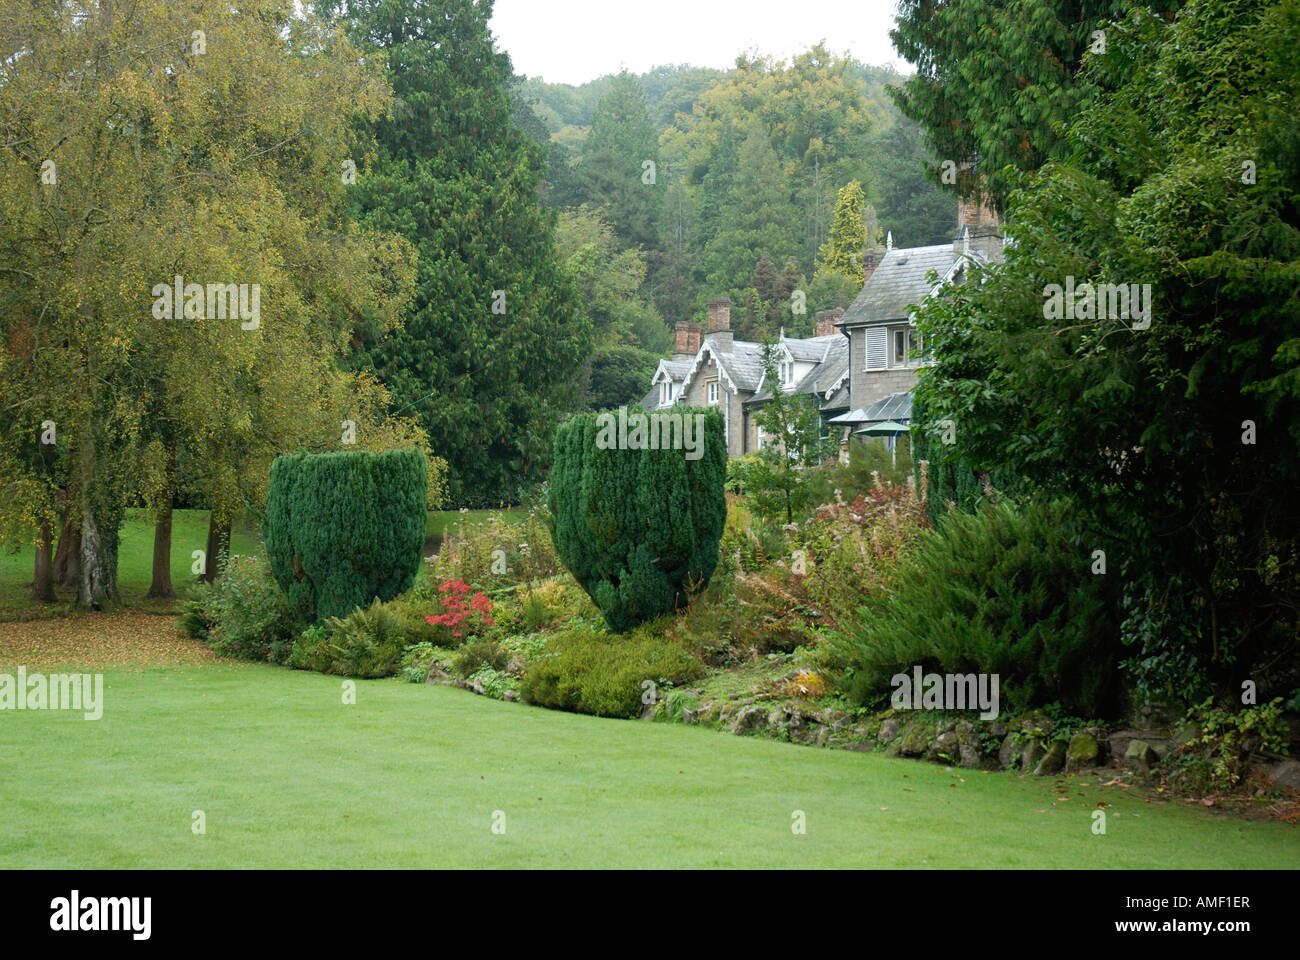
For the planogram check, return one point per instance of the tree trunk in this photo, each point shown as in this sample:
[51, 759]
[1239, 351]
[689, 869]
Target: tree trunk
[97, 586]
[161, 587]
[67, 559]
[43, 582]
[218, 544]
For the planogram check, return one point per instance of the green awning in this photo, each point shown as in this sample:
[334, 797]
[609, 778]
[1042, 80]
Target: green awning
[886, 428]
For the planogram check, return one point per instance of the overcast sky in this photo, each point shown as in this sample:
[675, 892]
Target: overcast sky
[573, 41]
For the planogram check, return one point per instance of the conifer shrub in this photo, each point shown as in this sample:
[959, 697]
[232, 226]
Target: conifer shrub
[637, 528]
[585, 670]
[1003, 590]
[344, 528]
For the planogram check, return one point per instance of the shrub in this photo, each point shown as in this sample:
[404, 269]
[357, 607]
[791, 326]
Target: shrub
[365, 643]
[638, 528]
[497, 551]
[1002, 591]
[463, 615]
[481, 653]
[344, 528]
[243, 613]
[412, 621]
[587, 671]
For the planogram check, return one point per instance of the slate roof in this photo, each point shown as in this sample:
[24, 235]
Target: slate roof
[898, 280]
[831, 353]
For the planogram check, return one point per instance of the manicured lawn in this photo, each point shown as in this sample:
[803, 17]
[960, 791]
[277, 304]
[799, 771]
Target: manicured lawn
[135, 559]
[134, 564]
[410, 776]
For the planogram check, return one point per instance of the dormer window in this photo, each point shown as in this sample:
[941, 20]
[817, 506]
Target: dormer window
[665, 393]
[787, 372]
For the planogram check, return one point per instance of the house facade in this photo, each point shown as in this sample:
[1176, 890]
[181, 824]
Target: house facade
[859, 366]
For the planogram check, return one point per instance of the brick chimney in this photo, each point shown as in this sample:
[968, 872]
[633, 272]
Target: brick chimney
[719, 327]
[870, 260]
[688, 340]
[826, 320]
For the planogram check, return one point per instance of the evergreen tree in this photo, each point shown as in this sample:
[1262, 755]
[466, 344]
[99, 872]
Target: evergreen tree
[842, 252]
[492, 346]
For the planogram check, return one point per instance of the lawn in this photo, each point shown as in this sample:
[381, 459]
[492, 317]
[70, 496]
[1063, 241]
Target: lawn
[411, 776]
[135, 559]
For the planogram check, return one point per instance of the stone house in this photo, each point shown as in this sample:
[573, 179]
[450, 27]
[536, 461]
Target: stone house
[860, 364]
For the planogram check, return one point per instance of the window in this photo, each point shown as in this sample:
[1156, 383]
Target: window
[915, 348]
[665, 393]
[877, 348]
[900, 347]
[713, 391]
[762, 435]
[787, 372]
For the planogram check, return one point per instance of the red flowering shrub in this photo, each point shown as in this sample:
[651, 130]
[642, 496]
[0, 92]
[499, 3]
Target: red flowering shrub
[463, 614]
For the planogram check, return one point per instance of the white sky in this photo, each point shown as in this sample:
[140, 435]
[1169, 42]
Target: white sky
[573, 41]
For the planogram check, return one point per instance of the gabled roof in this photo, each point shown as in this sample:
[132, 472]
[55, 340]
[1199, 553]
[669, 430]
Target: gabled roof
[675, 370]
[741, 367]
[900, 279]
[830, 353]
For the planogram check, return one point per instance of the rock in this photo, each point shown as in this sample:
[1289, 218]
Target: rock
[944, 746]
[889, 730]
[859, 747]
[914, 742]
[1285, 775]
[477, 687]
[510, 696]
[1140, 753]
[970, 757]
[1053, 760]
[689, 715]
[1031, 753]
[648, 711]
[997, 729]
[1008, 752]
[966, 727]
[823, 734]
[749, 718]
[1083, 751]
[1162, 746]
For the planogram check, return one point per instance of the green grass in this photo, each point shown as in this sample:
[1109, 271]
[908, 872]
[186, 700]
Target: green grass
[440, 520]
[134, 564]
[135, 559]
[288, 776]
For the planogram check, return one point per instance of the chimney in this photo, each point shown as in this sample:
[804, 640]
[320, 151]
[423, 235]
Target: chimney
[719, 327]
[870, 260]
[826, 320]
[688, 340]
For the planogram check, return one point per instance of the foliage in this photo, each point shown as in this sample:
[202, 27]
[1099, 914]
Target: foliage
[1233, 738]
[463, 614]
[587, 671]
[1179, 443]
[344, 528]
[497, 551]
[365, 643]
[455, 175]
[1003, 591]
[842, 252]
[998, 81]
[166, 162]
[481, 653]
[637, 528]
[243, 614]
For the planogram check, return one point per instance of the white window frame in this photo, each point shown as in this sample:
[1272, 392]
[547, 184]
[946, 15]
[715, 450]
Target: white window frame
[712, 392]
